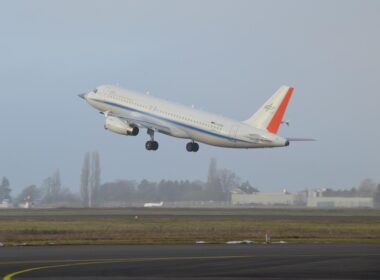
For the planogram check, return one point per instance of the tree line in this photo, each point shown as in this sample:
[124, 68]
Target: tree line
[50, 192]
[93, 193]
[217, 188]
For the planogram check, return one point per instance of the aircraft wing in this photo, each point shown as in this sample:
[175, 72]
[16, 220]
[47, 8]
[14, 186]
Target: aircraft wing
[147, 123]
[141, 121]
[155, 124]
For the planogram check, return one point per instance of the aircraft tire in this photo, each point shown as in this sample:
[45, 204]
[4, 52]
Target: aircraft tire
[192, 147]
[195, 147]
[151, 145]
[155, 145]
[189, 146]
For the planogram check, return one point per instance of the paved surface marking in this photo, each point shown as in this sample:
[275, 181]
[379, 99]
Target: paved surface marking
[84, 262]
[200, 262]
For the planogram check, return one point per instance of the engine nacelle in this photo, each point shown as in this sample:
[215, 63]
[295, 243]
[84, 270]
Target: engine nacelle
[116, 125]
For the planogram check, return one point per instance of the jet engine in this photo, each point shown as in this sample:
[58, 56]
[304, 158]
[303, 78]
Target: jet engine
[116, 125]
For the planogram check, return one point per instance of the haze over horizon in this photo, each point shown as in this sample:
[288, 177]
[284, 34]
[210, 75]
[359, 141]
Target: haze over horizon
[226, 57]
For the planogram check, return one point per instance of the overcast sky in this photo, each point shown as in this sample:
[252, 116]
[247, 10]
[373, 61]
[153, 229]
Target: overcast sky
[226, 57]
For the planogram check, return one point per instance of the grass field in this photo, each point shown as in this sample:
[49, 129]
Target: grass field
[164, 225]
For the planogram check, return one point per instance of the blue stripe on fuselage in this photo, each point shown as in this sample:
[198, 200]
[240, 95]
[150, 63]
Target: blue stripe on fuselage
[169, 120]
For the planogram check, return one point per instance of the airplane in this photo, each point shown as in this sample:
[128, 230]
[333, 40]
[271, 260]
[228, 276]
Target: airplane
[152, 204]
[127, 111]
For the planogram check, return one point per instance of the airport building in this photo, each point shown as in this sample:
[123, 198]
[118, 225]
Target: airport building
[317, 198]
[340, 202]
[5, 204]
[313, 198]
[263, 198]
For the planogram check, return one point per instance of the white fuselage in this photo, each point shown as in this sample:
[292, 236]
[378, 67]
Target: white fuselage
[180, 121]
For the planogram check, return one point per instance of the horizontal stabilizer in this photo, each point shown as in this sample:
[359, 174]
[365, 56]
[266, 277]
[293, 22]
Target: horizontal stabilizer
[300, 139]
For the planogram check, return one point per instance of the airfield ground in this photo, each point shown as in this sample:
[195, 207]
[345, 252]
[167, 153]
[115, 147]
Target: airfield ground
[186, 226]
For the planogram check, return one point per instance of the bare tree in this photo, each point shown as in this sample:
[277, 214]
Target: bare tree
[367, 187]
[84, 180]
[56, 185]
[46, 190]
[94, 182]
[213, 187]
[376, 197]
[228, 180]
[5, 190]
[30, 193]
[212, 172]
[51, 188]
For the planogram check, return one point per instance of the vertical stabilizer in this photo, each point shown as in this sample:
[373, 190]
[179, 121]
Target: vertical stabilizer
[270, 115]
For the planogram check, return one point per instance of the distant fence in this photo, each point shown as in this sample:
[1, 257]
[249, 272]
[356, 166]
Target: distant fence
[176, 204]
[192, 204]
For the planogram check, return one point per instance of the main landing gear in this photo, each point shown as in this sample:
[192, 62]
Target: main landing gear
[192, 147]
[151, 145]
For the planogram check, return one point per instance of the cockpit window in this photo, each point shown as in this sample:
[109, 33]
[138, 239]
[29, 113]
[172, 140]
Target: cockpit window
[95, 90]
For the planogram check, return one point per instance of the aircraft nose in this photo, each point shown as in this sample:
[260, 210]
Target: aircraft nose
[83, 95]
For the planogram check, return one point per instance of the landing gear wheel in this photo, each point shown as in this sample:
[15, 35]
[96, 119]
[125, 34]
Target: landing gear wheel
[189, 147]
[192, 147]
[151, 145]
[155, 145]
[148, 145]
[195, 147]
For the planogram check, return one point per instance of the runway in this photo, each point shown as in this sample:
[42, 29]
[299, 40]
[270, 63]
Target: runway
[280, 261]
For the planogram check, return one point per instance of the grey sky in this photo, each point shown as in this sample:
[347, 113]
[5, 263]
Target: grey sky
[226, 57]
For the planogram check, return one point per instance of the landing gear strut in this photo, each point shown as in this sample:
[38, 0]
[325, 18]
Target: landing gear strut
[192, 147]
[151, 145]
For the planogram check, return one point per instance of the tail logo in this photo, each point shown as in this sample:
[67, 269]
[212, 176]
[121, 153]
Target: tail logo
[269, 107]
